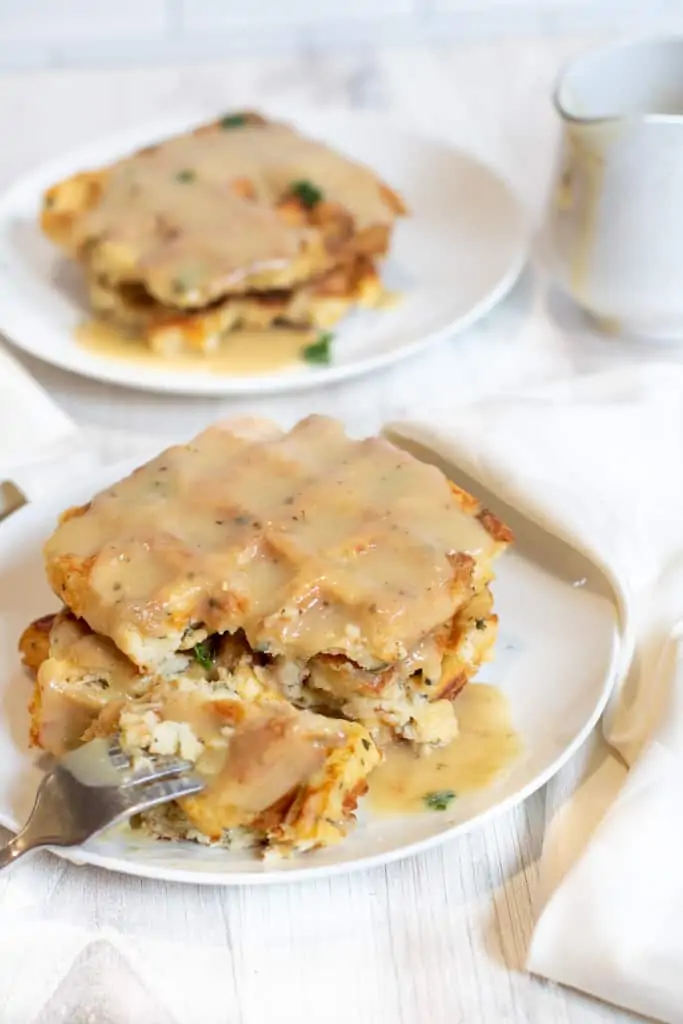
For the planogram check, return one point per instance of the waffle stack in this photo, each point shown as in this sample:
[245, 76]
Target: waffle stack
[240, 224]
[274, 606]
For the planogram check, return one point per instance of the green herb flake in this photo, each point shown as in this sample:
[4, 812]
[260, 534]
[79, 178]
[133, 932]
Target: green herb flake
[439, 799]
[366, 743]
[186, 175]
[309, 194]
[480, 623]
[204, 653]
[184, 284]
[320, 352]
[232, 121]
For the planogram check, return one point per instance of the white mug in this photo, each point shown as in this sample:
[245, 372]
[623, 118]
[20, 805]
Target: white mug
[613, 237]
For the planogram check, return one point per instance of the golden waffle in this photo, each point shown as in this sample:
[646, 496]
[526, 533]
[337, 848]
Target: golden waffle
[77, 679]
[77, 675]
[237, 205]
[319, 304]
[270, 605]
[306, 540]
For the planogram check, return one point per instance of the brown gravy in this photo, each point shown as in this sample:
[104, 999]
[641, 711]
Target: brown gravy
[328, 544]
[176, 216]
[269, 751]
[243, 353]
[486, 745]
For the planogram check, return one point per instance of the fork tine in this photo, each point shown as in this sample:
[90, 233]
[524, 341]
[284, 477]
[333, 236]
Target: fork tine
[141, 798]
[156, 770]
[117, 756]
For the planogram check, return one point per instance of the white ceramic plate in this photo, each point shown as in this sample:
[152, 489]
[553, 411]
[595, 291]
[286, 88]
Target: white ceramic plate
[453, 259]
[556, 659]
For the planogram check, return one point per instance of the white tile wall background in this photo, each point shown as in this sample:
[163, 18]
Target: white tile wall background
[94, 33]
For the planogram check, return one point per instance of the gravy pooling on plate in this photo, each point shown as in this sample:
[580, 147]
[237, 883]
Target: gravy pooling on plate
[486, 745]
[244, 353]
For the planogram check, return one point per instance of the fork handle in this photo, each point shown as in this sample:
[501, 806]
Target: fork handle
[15, 848]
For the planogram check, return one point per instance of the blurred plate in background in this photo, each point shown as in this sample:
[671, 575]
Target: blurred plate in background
[458, 254]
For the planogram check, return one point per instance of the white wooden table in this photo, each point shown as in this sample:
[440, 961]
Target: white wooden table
[437, 939]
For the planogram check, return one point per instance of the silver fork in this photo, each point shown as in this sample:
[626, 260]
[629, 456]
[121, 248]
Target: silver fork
[92, 788]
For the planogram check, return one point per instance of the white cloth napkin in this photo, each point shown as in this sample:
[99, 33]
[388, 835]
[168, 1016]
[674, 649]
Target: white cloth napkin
[603, 457]
[41, 448]
[39, 445]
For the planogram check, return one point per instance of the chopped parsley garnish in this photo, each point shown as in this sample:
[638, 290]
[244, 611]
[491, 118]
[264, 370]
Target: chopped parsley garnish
[186, 175]
[205, 653]
[480, 623]
[439, 799]
[184, 283]
[233, 121]
[307, 192]
[320, 352]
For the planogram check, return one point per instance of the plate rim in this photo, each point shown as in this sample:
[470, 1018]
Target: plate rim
[16, 314]
[81, 855]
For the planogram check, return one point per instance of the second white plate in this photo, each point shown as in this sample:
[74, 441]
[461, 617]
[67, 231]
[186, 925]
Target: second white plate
[458, 253]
